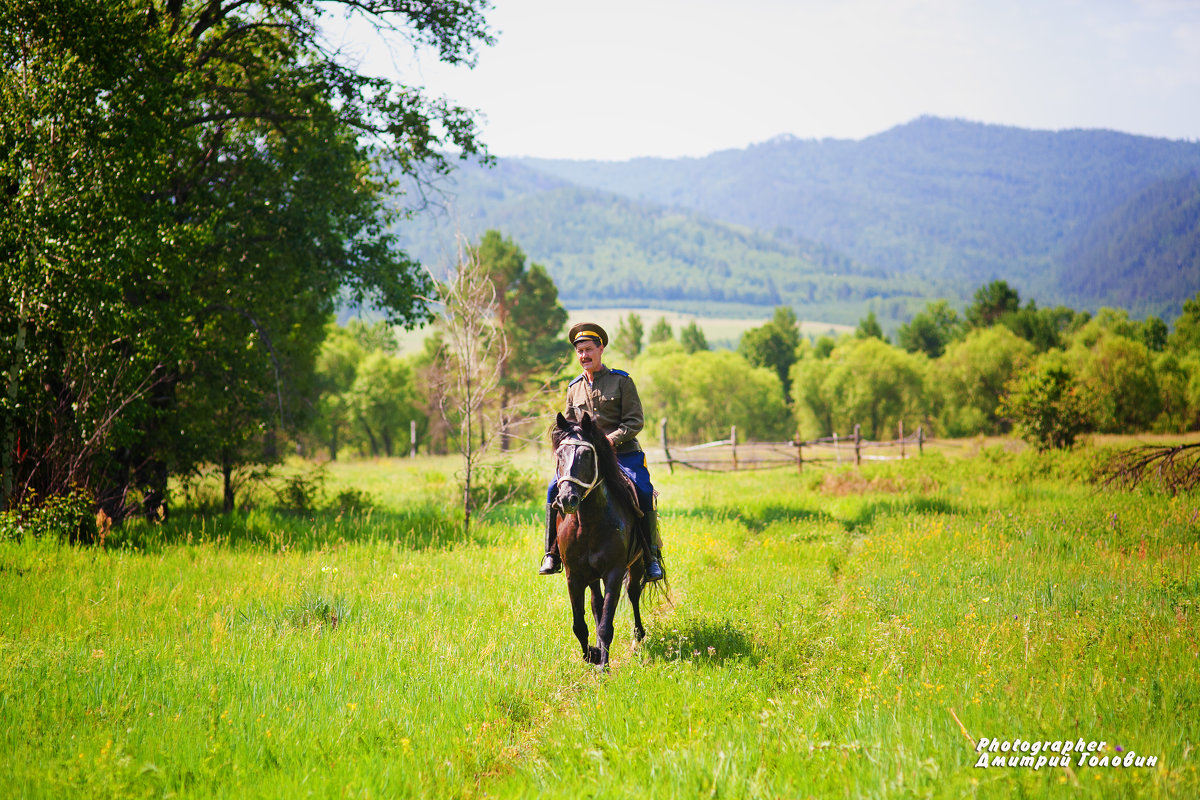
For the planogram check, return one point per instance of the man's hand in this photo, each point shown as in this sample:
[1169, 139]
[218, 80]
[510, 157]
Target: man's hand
[611, 438]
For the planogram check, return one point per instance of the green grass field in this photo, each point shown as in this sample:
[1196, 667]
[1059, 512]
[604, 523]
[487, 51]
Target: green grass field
[826, 635]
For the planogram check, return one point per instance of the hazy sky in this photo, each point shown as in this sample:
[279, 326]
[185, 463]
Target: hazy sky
[626, 78]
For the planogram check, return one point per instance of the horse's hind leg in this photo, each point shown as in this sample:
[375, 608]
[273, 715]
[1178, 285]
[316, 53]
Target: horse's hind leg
[575, 592]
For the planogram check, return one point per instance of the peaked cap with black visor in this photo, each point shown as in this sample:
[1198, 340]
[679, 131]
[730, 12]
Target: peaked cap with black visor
[587, 330]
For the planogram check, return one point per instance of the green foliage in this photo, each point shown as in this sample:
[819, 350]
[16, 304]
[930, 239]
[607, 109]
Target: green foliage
[931, 330]
[528, 312]
[187, 191]
[774, 345]
[692, 338]
[661, 332]
[1046, 406]
[1118, 375]
[868, 328]
[866, 382]
[628, 338]
[66, 517]
[301, 491]
[1186, 336]
[969, 380]
[702, 394]
[992, 302]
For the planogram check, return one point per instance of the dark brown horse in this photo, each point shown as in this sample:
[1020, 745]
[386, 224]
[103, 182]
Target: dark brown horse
[598, 532]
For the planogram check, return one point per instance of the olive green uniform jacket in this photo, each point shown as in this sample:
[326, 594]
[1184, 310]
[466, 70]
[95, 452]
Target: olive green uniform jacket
[612, 400]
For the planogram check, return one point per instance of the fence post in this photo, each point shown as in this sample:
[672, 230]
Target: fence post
[733, 444]
[666, 449]
[857, 445]
[412, 438]
[901, 438]
[799, 456]
[921, 440]
[837, 449]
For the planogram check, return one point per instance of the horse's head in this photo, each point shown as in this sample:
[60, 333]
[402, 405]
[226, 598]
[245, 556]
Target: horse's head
[576, 460]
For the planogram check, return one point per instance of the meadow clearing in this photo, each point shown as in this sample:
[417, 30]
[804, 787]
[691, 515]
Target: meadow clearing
[837, 633]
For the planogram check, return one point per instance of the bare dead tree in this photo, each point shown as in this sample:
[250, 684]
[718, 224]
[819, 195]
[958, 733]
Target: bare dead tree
[1175, 467]
[473, 345]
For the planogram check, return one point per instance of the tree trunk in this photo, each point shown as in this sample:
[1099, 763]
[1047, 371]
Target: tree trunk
[227, 474]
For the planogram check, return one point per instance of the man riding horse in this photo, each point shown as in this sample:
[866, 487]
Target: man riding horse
[611, 399]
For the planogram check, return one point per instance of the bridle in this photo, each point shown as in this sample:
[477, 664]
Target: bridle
[569, 478]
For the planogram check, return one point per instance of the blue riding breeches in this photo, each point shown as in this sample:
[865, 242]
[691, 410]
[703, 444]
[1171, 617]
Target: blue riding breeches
[634, 466]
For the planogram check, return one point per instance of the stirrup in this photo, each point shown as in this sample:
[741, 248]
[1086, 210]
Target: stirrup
[551, 565]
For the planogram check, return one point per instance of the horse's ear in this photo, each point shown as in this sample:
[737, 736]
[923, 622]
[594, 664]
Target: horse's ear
[561, 421]
[586, 422]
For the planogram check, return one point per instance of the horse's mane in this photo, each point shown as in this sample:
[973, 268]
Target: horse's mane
[606, 460]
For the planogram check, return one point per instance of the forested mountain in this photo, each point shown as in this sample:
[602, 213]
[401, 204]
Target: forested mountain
[606, 250]
[1149, 247]
[933, 208]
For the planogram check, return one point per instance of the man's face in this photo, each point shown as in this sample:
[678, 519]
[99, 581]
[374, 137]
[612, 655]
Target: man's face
[589, 354]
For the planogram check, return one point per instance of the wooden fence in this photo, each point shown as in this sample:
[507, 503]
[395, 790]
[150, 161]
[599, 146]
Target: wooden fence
[731, 454]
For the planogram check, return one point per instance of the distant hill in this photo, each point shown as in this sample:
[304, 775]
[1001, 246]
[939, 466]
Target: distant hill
[1146, 249]
[604, 250]
[933, 208]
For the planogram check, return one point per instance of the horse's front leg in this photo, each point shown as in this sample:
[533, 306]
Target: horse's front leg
[612, 596]
[575, 588]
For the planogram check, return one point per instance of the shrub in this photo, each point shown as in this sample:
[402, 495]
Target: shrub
[1046, 407]
[69, 516]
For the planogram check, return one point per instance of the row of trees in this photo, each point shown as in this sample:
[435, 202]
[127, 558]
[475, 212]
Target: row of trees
[1053, 373]
[187, 188]
[1050, 373]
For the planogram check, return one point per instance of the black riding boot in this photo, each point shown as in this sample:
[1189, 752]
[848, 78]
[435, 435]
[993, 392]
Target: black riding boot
[551, 562]
[654, 570]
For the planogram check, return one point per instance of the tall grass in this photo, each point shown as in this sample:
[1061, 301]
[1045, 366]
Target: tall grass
[826, 635]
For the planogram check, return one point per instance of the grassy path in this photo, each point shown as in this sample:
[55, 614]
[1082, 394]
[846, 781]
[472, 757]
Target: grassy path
[821, 633]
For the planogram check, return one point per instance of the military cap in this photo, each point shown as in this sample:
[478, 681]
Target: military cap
[588, 330]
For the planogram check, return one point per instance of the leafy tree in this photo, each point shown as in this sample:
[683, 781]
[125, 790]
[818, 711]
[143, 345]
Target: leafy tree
[811, 403]
[629, 335]
[337, 369]
[692, 338]
[188, 186]
[868, 328]
[774, 345]
[383, 401]
[992, 302]
[1186, 336]
[1044, 328]
[970, 380]
[873, 384]
[1177, 376]
[824, 346]
[1154, 334]
[1118, 375]
[661, 332]
[702, 394]
[1046, 406]
[931, 330]
[531, 318]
